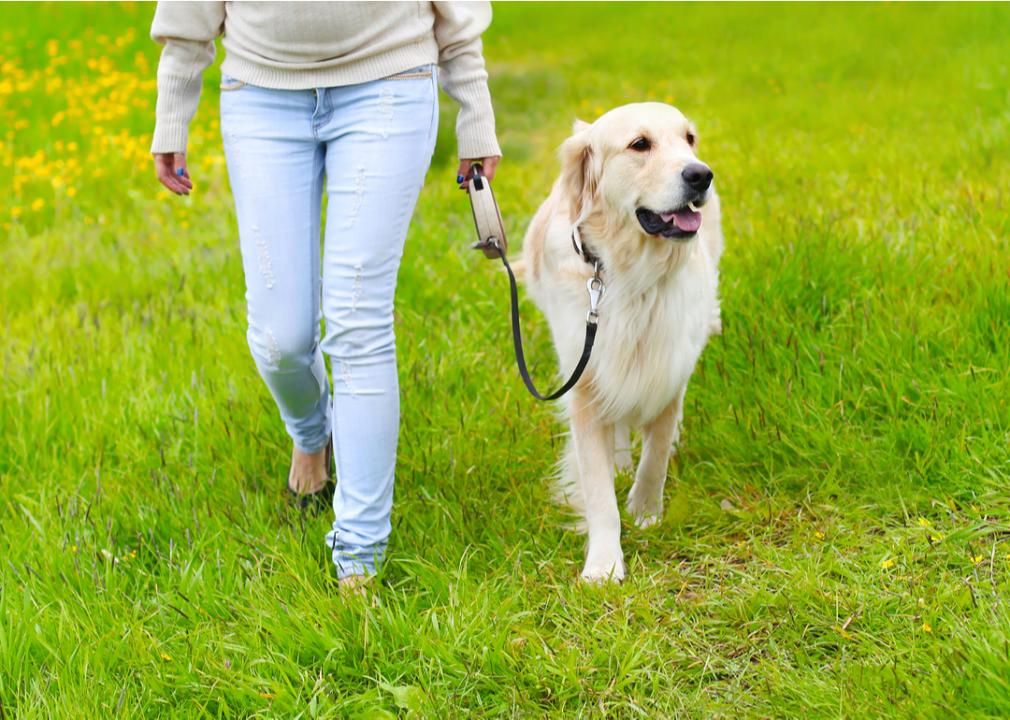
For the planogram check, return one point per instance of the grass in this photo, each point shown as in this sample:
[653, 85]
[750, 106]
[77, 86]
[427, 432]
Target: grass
[838, 535]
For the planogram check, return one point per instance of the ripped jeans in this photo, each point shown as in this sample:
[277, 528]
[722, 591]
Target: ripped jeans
[373, 143]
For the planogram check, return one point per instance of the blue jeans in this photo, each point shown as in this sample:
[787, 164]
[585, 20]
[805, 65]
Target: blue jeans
[373, 143]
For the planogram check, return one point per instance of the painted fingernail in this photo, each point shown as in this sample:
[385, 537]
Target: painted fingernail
[459, 178]
[180, 172]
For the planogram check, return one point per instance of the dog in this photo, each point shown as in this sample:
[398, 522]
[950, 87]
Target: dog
[635, 204]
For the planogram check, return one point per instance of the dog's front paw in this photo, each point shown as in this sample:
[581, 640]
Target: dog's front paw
[604, 566]
[646, 507]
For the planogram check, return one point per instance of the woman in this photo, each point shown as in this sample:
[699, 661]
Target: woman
[345, 91]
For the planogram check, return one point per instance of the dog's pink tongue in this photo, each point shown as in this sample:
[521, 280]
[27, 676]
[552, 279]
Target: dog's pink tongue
[687, 219]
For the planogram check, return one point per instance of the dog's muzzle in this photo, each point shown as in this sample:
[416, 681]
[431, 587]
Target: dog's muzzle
[683, 222]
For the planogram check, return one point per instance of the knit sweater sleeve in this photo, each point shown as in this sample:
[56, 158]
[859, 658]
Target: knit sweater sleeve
[458, 26]
[187, 30]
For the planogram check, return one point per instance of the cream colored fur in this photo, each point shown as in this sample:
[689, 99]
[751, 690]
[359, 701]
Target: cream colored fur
[659, 309]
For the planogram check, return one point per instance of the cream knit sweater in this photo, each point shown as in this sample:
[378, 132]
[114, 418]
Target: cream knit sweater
[302, 45]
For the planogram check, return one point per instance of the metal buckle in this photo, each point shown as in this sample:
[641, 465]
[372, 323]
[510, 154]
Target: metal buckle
[595, 287]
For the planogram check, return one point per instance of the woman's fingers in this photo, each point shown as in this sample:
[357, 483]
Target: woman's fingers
[488, 167]
[490, 164]
[172, 172]
[463, 174]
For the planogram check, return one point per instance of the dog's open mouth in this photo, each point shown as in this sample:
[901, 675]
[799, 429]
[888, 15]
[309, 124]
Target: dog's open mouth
[682, 223]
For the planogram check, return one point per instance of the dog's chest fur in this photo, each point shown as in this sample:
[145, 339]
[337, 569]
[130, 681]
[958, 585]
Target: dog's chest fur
[650, 338]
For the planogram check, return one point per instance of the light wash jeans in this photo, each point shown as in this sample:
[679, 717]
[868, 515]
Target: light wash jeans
[373, 143]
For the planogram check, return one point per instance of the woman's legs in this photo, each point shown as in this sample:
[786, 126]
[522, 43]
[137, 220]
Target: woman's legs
[276, 166]
[379, 140]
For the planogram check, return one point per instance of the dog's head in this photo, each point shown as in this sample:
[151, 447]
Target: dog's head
[637, 164]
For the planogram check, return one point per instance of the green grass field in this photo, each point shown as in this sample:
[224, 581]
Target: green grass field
[838, 536]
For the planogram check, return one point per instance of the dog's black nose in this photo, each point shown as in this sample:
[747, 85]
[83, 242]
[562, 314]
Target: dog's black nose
[698, 176]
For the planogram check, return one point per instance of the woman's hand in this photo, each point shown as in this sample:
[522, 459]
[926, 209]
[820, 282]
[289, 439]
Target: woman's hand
[488, 166]
[172, 172]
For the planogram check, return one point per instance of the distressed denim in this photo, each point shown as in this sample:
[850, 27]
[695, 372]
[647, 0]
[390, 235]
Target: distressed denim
[369, 147]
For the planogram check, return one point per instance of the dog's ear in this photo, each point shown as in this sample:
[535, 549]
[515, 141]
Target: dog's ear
[578, 174]
[579, 125]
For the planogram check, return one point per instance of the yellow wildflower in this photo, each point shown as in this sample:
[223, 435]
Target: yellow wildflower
[923, 522]
[886, 564]
[977, 559]
[38, 204]
[926, 627]
[166, 657]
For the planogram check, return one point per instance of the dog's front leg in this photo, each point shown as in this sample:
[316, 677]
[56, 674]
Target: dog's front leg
[594, 450]
[659, 437]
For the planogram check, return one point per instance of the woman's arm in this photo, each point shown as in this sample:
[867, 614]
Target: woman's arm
[458, 26]
[187, 30]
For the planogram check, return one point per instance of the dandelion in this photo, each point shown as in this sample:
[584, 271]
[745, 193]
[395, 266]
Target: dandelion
[16, 213]
[927, 628]
[977, 559]
[886, 564]
[71, 191]
[819, 535]
[38, 204]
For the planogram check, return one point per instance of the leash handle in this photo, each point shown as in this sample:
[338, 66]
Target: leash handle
[486, 216]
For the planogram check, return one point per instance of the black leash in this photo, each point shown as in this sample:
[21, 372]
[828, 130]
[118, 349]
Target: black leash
[491, 240]
[595, 286]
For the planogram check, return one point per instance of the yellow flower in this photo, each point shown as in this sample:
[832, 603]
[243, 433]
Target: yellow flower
[71, 191]
[166, 657]
[926, 627]
[38, 204]
[936, 537]
[977, 559]
[923, 522]
[16, 213]
[819, 535]
[886, 564]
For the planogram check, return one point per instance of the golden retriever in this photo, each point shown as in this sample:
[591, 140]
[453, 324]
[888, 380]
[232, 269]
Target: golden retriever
[633, 190]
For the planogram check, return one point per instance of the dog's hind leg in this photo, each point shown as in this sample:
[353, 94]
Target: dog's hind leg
[622, 446]
[593, 440]
[659, 438]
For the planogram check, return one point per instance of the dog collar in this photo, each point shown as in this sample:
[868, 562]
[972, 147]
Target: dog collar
[582, 251]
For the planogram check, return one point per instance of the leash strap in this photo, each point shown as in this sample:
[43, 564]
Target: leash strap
[491, 241]
[517, 338]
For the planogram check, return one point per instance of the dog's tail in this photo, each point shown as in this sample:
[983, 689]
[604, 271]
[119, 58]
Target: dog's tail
[567, 490]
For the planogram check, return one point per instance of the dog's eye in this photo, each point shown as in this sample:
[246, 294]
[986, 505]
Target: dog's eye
[691, 139]
[640, 144]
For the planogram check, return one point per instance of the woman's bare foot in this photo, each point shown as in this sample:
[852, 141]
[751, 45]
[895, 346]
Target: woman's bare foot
[354, 584]
[309, 471]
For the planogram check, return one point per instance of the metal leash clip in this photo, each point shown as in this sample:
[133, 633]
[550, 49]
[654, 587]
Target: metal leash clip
[486, 216]
[595, 287]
